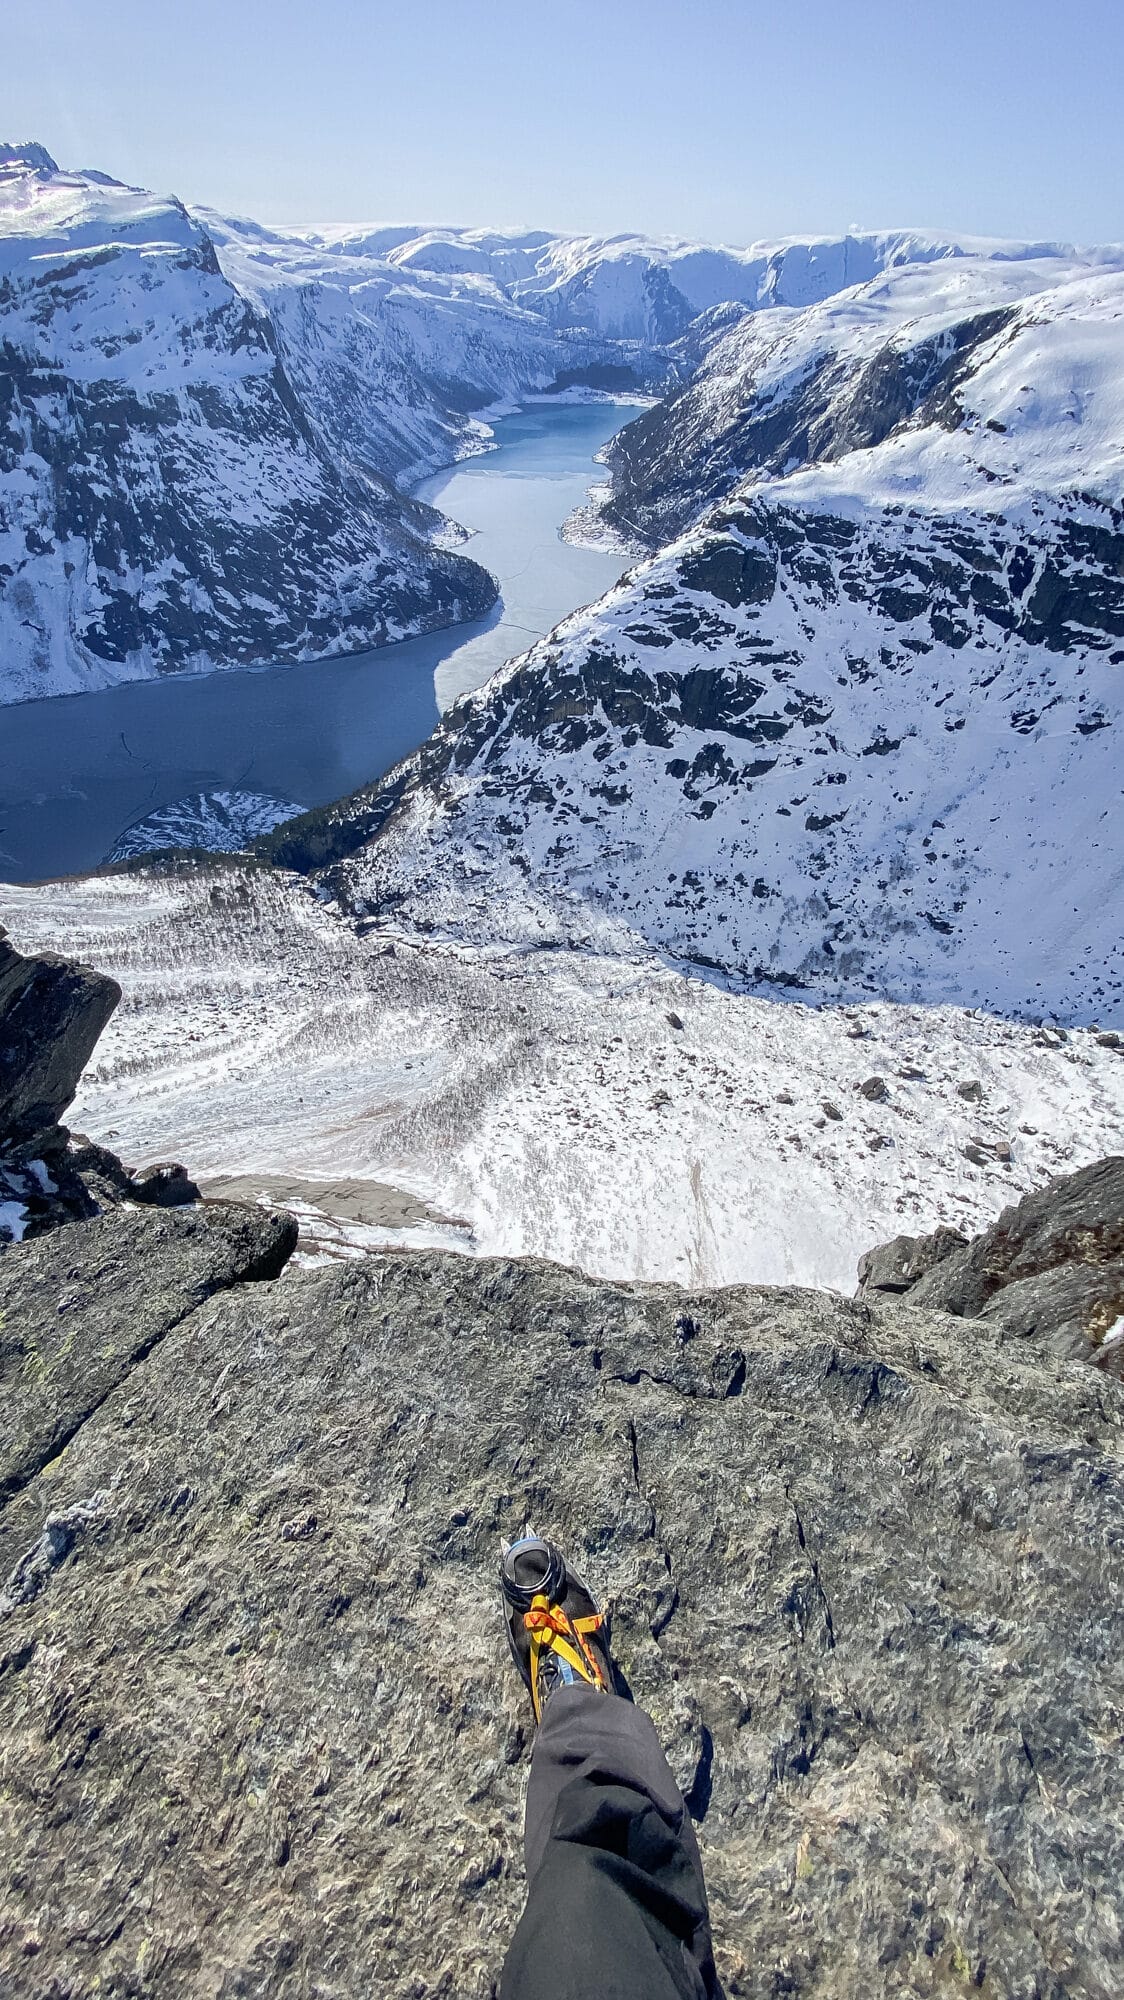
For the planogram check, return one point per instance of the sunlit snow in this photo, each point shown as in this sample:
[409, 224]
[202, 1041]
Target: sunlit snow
[548, 1103]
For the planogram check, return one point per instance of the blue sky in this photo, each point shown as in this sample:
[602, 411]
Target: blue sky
[722, 119]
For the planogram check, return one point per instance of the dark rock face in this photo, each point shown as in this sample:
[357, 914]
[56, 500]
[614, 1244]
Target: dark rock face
[51, 1014]
[165, 1186]
[91, 1178]
[1051, 1270]
[260, 1732]
[81, 1307]
[661, 479]
[77, 1180]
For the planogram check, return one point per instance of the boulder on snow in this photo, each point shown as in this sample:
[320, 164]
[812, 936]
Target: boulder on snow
[986, 1152]
[165, 1186]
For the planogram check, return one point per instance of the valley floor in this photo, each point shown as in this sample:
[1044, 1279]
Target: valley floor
[614, 1115]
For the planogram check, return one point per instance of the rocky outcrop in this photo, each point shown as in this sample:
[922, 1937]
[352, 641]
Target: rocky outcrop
[1050, 1271]
[79, 1310]
[260, 1731]
[895, 1266]
[51, 1014]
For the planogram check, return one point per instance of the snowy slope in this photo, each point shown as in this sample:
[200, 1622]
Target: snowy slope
[986, 372]
[857, 732]
[603, 1111]
[165, 503]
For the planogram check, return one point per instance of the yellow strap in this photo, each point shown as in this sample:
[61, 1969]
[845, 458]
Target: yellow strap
[552, 1630]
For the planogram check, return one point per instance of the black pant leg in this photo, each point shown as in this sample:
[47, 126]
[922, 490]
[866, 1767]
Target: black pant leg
[616, 1906]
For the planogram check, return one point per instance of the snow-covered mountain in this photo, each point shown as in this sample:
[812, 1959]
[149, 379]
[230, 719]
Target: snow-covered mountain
[940, 351]
[395, 336]
[205, 423]
[165, 502]
[393, 362]
[857, 729]
[649, 289]
[847, 732]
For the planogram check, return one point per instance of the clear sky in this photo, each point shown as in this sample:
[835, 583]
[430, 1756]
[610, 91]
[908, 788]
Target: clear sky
[720, 119]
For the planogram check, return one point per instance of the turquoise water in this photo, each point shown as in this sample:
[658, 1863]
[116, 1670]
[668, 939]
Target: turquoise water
[76, 771]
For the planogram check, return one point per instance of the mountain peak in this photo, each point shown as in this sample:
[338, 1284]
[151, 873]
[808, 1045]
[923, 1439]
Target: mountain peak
[27, 153]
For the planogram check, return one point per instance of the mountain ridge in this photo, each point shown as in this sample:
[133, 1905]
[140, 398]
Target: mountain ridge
[331, 367]
[781, 745]
[165, 504]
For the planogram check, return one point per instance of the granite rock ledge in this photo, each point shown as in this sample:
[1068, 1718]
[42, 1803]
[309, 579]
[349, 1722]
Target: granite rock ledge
[259, 1734]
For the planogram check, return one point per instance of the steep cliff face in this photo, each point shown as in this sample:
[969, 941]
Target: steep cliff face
[851, 732]
[990, 383]
[165, 502]
[260, 1731]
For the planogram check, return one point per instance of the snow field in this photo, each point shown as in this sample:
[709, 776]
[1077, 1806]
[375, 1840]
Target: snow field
[547, 1101]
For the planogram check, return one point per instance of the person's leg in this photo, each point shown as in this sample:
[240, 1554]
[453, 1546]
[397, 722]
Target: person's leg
[616, 1906]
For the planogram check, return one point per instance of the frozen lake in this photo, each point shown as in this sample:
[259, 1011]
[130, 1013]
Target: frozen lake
[77, 770]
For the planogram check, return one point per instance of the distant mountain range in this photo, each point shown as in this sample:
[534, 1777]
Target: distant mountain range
[206, 426]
